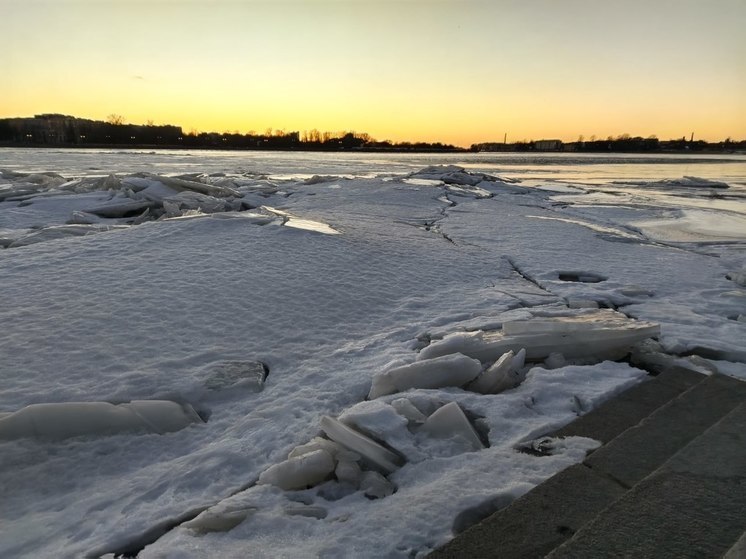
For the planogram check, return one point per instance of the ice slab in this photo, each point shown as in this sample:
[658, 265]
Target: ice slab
[442, 371]
[457, 342]
[155, 191]
[299, 472]
[406, 408]
[317, 443]
[186, 201]
[73, 419]
[603, 334]
[449, 422]
[603, 319]
[218, 191]
[302, 223]
[369, 449]
[122, 208]
[453, 174]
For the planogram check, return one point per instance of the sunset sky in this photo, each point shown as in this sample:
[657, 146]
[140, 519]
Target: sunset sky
[457, 71]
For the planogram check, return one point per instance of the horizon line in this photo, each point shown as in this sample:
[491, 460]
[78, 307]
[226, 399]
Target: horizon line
[270, 132]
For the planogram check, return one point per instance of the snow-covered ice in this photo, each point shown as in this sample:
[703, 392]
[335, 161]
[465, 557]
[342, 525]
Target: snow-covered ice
[271, 293]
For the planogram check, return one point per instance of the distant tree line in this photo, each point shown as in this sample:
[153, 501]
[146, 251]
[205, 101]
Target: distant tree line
[64, 130]
[623, 143]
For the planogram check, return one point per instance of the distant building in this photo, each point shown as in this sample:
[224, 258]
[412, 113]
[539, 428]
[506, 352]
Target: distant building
[548, 145]
[58, 129]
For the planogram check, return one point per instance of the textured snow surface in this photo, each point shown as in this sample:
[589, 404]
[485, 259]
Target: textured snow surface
[191, 310]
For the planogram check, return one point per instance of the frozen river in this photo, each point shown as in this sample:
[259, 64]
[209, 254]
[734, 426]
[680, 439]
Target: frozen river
[321, 355]
[585, 169]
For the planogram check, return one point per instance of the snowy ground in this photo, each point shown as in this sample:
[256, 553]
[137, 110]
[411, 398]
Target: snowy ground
[328, 281]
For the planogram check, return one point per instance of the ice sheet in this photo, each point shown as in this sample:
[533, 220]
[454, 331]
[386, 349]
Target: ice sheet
[154, 310]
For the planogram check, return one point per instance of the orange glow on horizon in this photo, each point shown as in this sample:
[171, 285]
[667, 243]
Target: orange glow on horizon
[400, 71]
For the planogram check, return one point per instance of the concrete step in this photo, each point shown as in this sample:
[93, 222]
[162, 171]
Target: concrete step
[627, 409]
[551, 513]
[536, 523]
[693, 506]
[639, 450]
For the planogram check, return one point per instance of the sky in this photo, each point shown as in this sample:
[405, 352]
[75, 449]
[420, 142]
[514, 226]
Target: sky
[455, 71]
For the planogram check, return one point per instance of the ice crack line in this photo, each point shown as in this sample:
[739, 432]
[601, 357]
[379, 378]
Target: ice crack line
[525, 276]
[435, 224]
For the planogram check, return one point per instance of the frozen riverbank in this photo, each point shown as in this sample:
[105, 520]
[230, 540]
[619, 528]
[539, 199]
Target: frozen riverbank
[155, 304]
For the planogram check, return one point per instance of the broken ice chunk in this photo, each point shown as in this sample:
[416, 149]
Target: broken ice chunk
[179, 184]
[555, 361]
[182, 202]
[246, 374]
[448, 370]
[494, 375]
[406, 408]
[299, 472]
[348, 471]
[370, 450]
[519, 360]
[451, 422]
[317, 443]
[458, 342]
[155, 191]
[123, 207]
[649, 355]
[504, 374]
[376, 486]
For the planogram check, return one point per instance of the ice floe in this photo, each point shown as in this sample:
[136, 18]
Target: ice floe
[75, 419]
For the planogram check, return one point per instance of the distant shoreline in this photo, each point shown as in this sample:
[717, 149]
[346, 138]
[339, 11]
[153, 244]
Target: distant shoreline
[161, 147]
[182, 147]
[65, 131]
